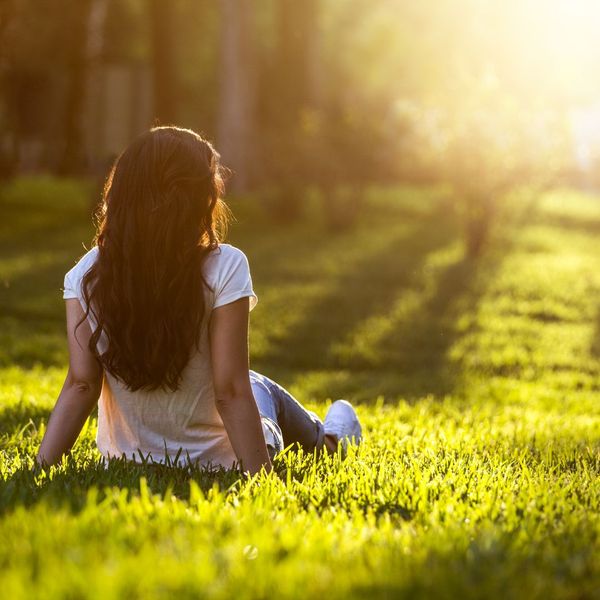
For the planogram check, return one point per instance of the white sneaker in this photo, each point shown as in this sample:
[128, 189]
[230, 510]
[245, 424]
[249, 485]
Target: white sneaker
[342, 421]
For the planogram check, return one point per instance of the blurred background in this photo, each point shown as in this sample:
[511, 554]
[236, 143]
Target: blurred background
[414, 182]
[321, 97]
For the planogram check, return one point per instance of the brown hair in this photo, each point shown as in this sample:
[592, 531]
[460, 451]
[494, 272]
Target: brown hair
[161, 215]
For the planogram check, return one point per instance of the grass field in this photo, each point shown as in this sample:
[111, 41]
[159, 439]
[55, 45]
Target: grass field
[477, 383]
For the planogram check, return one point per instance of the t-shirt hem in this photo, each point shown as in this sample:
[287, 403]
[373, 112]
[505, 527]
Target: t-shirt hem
[232, 297]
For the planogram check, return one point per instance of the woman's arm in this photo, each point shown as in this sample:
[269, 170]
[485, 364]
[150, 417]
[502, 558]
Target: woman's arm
[231, 379]
[79, 393]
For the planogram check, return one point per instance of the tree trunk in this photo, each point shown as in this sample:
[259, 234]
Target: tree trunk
[72, 160]
[235, 126]
[95, 31]
[8, 155]
[163, 61]
[95, 127]
[297, 70]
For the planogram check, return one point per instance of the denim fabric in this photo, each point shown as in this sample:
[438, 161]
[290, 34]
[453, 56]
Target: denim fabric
[296, 423]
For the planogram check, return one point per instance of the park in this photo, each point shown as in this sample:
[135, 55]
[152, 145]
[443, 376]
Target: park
[423, 241]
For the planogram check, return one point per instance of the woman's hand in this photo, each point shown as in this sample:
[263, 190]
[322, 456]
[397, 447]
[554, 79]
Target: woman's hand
[231, 379]
[79, 393]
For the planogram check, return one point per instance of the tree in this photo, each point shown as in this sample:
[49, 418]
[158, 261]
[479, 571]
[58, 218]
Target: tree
[76, 32]
[290, 96]
[489, 148]
[237, 90]
[296, 71]
[163, 60]
[8, 157]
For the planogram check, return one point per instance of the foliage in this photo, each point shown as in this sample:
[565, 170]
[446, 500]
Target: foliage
[476, 382]
[485, 147]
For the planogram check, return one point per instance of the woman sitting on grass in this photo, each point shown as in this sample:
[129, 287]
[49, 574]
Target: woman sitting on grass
[157, 326]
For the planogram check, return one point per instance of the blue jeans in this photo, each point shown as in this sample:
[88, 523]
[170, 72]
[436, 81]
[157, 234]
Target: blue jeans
[287, 416]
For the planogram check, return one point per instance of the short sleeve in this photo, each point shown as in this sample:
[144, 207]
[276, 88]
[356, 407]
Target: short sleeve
[69, 290]
[234, 281]
[72, 282]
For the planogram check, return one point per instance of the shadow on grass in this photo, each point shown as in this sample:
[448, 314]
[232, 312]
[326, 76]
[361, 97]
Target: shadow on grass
[16, 418]
[73, 484]
[360, 288]
[70, 485]
[595, 349]
[32, 318]
[420, 344]
[411, 357]
[32, 321]
[589, 227]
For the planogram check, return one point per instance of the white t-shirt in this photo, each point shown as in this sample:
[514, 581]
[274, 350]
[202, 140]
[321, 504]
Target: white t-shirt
[161, 422]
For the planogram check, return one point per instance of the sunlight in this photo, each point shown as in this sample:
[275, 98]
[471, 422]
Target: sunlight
[556, 41]
[584, 11]
[577, 21]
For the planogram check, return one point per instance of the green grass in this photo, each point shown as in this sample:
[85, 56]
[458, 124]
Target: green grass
[477, 383]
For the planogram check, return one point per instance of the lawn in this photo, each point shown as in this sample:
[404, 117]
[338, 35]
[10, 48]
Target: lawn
[477, 382]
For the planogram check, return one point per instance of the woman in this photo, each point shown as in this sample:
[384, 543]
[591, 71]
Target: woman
[157, 326]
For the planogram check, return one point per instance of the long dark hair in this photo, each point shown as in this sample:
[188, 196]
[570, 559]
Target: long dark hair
[161, 215]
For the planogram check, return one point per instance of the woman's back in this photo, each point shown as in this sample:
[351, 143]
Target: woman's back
[164, 421]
